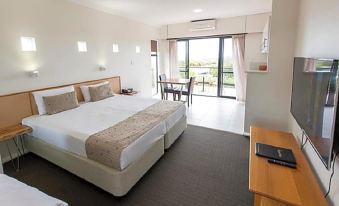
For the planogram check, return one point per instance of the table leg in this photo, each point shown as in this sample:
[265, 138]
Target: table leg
[179, 96]
[10, 155]
[16, 142]
[203, 83]
[22, 144]
[257, 200]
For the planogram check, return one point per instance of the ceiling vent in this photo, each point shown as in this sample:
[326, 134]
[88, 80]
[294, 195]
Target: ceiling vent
[203, 25]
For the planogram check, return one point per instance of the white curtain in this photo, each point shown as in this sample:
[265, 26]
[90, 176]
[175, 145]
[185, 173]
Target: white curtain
[173, 59]
[239, 67]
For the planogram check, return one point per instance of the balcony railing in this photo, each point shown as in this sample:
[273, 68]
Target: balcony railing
[206, 82]
[208, 74]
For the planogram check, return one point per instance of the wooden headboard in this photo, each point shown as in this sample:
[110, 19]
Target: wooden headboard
[15, 107]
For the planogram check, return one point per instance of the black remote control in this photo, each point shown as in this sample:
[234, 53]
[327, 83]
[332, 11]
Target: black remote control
[286, 164]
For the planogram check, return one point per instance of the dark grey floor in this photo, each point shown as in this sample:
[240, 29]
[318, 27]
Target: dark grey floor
[204, 167]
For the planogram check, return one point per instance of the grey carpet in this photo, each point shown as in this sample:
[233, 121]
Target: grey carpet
[204, 167]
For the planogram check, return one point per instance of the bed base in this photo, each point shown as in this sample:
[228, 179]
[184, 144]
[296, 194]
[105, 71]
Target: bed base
[175, 132]
[111, 180]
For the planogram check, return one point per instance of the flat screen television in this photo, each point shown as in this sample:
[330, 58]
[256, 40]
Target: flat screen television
[314, 103]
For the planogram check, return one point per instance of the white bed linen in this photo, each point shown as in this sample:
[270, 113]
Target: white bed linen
[15, 193]
[69, 130]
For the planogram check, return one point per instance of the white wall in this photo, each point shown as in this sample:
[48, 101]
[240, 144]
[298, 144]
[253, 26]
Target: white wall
[268, 94]
[234, 25]
[253, 55]
[317, 36]
[252, 24]
[57, 26]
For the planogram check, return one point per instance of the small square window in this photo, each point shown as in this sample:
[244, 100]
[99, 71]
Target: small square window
[82, 46]
[115, 48]
[137, 49]
[28, 44]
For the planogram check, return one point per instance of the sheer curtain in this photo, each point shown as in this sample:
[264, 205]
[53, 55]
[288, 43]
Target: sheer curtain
[239, 67]
[173, 59]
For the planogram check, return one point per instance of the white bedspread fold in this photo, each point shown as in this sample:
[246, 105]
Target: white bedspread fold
[15, 193]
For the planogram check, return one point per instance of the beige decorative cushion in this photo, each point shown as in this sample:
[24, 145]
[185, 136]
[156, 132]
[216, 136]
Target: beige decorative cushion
[100, 92]
[60, 103]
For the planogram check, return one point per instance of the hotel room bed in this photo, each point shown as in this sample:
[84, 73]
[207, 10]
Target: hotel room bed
[15, 193]
[61, 139]
[69, 130]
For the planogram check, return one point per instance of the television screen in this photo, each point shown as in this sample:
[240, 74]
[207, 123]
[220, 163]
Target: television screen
[314, 102]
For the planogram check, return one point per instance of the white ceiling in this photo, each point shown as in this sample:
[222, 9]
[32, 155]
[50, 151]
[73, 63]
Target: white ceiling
[162, 12]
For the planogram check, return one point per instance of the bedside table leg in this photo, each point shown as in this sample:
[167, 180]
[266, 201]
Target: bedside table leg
[22, 144]
[16, 142]
[10, 154]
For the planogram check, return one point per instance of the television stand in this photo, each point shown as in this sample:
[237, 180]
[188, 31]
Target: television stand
[276, 185]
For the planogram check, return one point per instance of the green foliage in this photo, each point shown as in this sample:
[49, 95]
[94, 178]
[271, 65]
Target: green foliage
[212, 66]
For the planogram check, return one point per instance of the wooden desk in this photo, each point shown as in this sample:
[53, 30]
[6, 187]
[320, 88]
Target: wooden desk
[277, 185]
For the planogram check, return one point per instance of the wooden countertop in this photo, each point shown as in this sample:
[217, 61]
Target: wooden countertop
[282, 184]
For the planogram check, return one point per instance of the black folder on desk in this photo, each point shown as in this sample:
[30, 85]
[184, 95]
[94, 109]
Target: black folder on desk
[276, 153]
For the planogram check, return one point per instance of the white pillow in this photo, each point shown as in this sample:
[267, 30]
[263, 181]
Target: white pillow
[85, 90]
[38, 96]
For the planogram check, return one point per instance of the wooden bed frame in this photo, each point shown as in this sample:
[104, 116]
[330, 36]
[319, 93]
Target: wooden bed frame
[15, 107]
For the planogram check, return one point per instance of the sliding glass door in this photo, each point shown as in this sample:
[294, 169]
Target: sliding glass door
[183, 58]
[226, 77]
[209, 60]
[203, 65]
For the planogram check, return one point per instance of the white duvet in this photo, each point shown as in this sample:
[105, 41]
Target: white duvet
[15, 193]
[69, 130]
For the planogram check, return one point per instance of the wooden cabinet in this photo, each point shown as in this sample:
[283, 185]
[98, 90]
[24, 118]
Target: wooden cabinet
[273, 184]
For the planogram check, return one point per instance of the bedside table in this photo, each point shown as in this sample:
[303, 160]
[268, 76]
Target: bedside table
[15, 133]
[130, 94]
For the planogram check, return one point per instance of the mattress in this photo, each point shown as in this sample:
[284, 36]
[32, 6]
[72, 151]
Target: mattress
[69, 130]
[15, 193]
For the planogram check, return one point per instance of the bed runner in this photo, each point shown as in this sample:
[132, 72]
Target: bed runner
[106, 146]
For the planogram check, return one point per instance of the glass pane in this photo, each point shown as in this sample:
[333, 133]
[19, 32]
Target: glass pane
[181, 50]
[203, 58]
[183, 75]
[227, 84]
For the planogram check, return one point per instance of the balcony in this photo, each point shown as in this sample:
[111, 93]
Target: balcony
[206, 82]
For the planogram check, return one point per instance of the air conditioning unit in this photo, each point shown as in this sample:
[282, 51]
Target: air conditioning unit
[203, 25]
